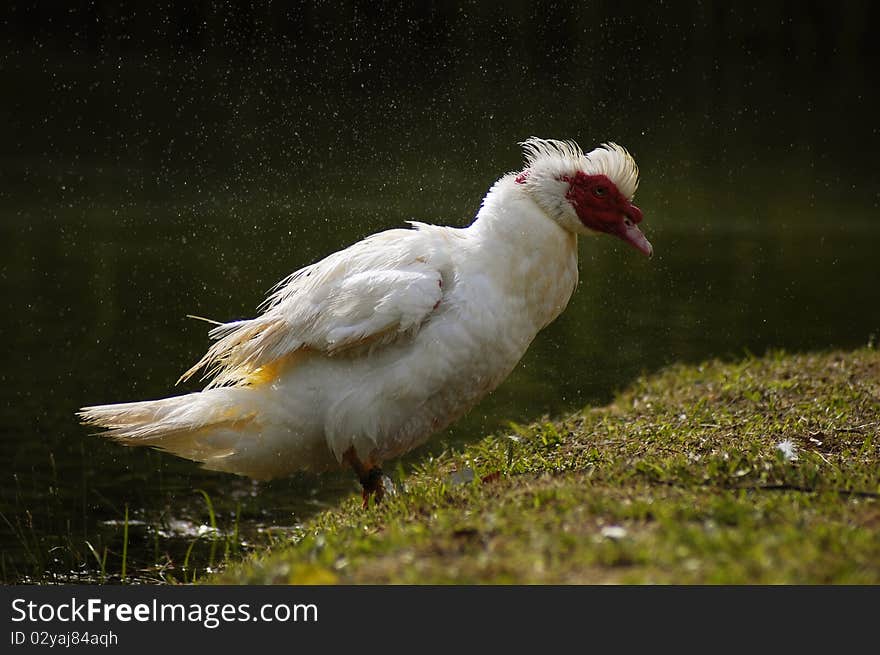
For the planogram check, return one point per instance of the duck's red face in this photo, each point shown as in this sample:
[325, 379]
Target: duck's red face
[601, 207]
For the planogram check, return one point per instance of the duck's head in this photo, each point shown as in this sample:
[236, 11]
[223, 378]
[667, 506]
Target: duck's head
[586, 193]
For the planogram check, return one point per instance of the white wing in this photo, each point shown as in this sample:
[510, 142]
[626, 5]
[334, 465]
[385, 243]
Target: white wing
[375, 292]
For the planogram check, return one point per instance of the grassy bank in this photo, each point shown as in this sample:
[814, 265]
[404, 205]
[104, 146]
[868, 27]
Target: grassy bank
[761, 471]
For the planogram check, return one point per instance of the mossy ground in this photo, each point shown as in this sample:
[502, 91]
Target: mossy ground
[679, 480]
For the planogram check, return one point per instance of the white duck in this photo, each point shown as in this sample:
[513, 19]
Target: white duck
[360, 357]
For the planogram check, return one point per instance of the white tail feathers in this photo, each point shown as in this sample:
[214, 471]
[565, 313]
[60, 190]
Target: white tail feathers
[206, 427]
[241, 430]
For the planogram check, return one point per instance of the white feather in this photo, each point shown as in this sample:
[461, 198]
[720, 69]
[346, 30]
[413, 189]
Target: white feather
[549, 158]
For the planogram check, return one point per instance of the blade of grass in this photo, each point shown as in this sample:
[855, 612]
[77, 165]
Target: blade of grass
[186, 560]
[233, 539]
[102, 561]
[125, 543]
[213, 519]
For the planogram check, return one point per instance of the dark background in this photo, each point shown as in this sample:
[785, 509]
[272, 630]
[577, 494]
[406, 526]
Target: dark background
[270, 96]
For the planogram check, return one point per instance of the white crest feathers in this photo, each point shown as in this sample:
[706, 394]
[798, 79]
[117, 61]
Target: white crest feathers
[555, 158]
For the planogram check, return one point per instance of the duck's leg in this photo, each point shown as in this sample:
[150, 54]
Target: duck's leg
[370, 477]
[373, 485]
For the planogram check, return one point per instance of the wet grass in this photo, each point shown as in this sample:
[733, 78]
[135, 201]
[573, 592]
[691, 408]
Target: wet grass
[765, 470]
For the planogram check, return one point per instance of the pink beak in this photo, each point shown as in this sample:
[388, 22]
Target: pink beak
[633, 236]
[630, 232]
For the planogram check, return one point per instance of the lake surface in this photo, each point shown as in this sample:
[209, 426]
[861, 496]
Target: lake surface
[138, 189]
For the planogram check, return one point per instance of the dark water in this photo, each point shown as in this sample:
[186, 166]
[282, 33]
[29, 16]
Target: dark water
[152, 177]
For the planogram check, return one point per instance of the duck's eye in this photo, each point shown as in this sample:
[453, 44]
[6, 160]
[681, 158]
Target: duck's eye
[600, 191]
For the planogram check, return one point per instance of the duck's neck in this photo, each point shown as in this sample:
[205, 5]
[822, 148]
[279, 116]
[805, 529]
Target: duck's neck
[525, 251]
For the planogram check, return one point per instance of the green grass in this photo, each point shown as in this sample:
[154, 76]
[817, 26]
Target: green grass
[679, 480]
